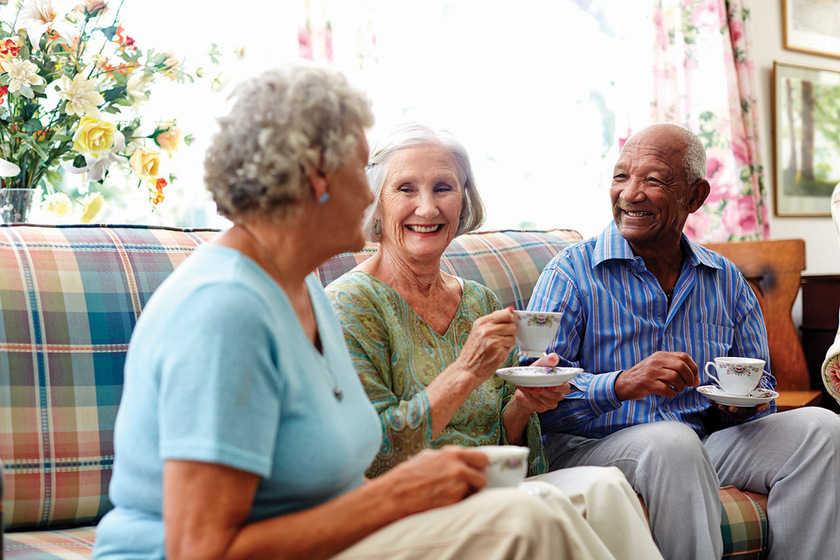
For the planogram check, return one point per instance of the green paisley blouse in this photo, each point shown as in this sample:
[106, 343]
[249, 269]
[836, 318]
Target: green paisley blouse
[397, 355]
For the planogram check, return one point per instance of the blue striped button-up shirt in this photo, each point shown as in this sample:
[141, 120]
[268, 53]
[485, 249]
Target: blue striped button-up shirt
[615, 314]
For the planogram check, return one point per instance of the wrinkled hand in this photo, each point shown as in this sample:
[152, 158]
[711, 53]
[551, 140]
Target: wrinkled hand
[662, 373]
[540, 399]
[739, 413]
[435, 478]
[491, 339]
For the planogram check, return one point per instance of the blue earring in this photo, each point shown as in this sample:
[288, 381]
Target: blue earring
[323, 198]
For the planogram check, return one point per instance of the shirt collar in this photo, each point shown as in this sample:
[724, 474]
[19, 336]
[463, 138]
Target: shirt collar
[610, 245]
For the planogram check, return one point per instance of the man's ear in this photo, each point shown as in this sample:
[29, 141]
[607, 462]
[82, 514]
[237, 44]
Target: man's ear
[698, 195]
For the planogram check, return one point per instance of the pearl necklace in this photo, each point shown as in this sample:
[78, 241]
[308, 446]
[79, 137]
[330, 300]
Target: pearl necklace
[336, 391]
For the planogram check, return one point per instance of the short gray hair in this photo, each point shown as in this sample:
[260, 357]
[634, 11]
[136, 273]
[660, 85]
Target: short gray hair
[283, 124]
[694, 162]
[415, 134]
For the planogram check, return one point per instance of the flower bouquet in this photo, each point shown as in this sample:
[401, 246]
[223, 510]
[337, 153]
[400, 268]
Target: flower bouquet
[72, 84]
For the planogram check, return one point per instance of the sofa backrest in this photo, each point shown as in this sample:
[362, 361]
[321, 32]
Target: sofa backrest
[509, 262]
[69, 299]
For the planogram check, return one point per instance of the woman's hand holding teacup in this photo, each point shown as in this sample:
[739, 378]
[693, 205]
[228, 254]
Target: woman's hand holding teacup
[491, 339]
[435, 478]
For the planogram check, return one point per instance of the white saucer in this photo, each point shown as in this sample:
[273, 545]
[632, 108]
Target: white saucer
[537, 376]
[756, 397]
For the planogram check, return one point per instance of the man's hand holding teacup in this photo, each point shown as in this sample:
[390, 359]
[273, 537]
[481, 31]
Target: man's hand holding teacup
[741, 413]
[661, 373]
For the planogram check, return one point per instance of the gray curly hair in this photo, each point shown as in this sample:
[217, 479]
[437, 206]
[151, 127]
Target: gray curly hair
[284, 123]
[415, 134]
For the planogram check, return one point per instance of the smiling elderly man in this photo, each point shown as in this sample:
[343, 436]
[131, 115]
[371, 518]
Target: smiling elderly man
[642, 306]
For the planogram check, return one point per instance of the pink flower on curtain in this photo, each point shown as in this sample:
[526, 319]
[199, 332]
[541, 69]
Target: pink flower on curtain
[740, 216]
[698, 226]
[713, 165]
[736, 31]
[704, 79]
[314, 31]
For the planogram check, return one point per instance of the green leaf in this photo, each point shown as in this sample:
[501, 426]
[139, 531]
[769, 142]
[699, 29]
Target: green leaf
[109, 32]
[114, 93]
[54, 177]
[27, 92]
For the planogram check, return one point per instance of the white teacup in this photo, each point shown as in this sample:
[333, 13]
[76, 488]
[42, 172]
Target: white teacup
[736, 376]
[535, 331]
[508, 465]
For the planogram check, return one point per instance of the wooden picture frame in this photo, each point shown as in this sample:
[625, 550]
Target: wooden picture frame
[812, 26]
[806, 139]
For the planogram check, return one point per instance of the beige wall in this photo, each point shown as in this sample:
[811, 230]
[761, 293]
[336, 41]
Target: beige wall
[822, 247]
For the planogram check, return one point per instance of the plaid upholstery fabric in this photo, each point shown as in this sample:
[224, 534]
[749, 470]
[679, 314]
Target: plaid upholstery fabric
[743, 524]
[508, 262]
[69, 298]
[69, 544]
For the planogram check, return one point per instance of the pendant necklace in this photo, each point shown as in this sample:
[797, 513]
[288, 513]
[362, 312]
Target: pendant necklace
[336, 391]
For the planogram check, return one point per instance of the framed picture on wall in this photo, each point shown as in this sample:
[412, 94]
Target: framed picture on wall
[812, 26]
[806, 139]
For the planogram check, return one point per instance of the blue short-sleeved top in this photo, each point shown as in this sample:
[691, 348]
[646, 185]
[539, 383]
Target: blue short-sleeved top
[220, 370]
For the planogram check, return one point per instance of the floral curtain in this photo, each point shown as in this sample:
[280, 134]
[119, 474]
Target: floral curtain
[705, 80]
[337, 31]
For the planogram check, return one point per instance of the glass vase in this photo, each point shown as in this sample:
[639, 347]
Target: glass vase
[15, 204]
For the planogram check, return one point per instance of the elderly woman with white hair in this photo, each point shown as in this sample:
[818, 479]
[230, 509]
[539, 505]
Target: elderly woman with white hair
[426, 344]
[243, 430]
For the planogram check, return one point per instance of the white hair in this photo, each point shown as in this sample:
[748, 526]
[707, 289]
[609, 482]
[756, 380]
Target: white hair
[415, 134]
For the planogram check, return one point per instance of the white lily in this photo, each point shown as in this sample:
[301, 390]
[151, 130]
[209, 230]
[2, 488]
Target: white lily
[36, 16]
[96, 167]
[137, 88]
[8, 169]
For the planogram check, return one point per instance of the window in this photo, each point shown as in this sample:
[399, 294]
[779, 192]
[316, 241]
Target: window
[539, 91]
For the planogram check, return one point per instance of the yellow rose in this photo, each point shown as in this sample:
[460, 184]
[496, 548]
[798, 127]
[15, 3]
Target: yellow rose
[91, 205]
[145, 163]
[169, 139]
[94, 137]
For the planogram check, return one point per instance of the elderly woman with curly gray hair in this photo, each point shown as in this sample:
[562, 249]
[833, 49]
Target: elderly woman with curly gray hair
[243, 431]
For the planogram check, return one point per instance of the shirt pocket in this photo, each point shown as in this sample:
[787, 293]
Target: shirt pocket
[711, 341]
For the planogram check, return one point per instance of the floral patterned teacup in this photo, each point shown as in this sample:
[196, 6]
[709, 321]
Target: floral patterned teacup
[736, 376]
[508, 465]
[535, 331]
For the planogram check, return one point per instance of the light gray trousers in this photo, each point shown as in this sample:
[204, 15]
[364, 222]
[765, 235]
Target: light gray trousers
[793, 456]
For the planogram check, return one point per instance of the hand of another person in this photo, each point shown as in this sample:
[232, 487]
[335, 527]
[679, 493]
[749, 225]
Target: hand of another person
[739, 413]
[491, 339]
[435, 478]
[661, 373]
[540, 399]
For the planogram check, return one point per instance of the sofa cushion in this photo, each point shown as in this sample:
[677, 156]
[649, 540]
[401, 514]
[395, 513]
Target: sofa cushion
[743, 524]
[69, 298]
[65, 544]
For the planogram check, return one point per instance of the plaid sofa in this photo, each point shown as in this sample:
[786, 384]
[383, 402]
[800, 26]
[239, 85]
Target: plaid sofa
[69, 298]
